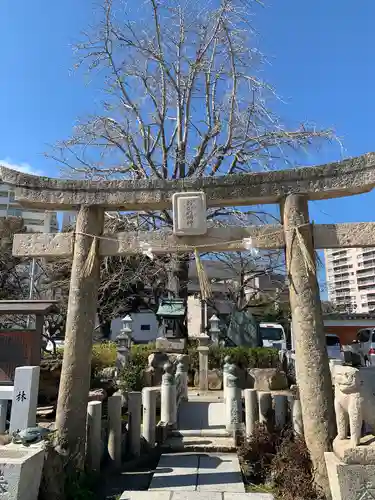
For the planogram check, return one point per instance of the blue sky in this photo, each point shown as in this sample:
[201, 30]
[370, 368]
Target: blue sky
[322, 64]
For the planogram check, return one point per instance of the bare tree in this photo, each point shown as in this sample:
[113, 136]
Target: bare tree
[182, 97]
[252, 280]
[127, 283]
[14, 272]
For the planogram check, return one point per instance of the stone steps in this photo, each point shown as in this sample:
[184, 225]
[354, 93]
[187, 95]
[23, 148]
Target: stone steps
[198, 472]
[197, 476]
[193, 495]
[199, 444]
[211, 432]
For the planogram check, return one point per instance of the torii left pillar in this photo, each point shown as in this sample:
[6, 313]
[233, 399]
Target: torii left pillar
[80, 324]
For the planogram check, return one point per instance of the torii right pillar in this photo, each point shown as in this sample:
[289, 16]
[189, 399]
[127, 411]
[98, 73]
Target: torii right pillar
[312, 366]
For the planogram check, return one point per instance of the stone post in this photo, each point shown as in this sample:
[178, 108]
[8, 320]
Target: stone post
[182, 374]
[265, 407]
[295, 412]
[251, 410]
[225, 373]
[280, 403]
[114, 429]
[149, 415]
[25, 398]
[312, 369]
[134, 423]
[233, 401]
[74, 388]
[203, 350]
[168, 396]
[94, 435]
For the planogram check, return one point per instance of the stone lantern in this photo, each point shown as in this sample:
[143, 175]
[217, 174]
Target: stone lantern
[123, 341]
[214, 329]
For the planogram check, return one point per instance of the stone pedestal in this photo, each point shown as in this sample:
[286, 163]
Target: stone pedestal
[351, 471]
[172, 345]
[20, 472]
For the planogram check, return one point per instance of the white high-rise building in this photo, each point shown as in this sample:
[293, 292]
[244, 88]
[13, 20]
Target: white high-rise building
[351, 278]
[39, 221]
[69, 219]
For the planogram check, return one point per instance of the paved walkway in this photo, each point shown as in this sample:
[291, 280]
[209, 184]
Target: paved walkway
[202, 412]
[198, 472]
[196, 476]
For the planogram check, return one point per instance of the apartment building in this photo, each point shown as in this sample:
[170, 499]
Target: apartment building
[351, 278]
[39, 221]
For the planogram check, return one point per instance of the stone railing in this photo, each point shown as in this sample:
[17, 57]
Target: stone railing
[110, 438]
[173, 390]
[266, 407]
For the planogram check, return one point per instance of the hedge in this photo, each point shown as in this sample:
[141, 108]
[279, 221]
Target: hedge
[244, 357]
[104, 355]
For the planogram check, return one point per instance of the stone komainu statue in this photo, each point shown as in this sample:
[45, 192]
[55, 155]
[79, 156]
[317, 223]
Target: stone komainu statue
[354, 400]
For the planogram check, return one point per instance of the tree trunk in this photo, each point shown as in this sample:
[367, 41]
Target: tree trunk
[80, 324]
[312, 367]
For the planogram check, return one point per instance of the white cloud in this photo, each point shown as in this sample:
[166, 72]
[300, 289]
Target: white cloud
[21, 167]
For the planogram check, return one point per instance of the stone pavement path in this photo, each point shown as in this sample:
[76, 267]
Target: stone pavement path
[196, 476]
[198, 472]
[202, 413]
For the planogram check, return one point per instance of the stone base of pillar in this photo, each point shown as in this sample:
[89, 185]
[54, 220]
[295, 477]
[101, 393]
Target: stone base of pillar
[351, 471]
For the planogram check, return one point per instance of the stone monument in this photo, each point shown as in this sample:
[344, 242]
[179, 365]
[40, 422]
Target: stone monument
[351, 465]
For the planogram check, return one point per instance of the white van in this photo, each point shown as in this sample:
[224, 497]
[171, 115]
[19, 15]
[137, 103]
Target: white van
[273, 335]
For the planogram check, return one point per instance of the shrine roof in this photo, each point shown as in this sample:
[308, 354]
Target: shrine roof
[27, 306]
[171, 308]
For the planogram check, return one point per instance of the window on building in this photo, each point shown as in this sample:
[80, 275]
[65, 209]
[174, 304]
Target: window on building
[11, 196]
[15, 212]
[145, 328]
[33, 222]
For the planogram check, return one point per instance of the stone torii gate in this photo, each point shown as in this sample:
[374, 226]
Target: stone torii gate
[291, 189]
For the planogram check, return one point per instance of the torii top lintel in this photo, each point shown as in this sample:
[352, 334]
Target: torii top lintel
[347, 177]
